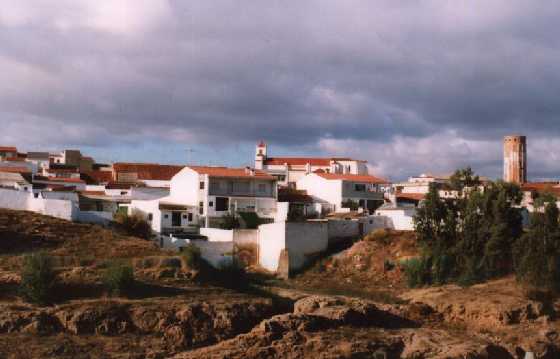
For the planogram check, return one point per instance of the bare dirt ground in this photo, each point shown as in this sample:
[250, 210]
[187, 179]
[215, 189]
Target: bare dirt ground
[351, 305]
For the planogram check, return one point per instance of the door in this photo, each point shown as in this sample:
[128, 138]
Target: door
[176, 219]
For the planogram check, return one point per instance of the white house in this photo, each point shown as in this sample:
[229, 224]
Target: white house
[217, 191]
[338, 189]
[166, 216]
[288, 170]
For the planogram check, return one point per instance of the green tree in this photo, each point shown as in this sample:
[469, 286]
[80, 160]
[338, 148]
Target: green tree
[462, 178]
[537, 253]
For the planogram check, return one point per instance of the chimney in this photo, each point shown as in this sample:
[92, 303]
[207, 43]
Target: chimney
[249, 171]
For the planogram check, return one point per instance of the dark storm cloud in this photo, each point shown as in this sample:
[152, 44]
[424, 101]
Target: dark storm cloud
[374, 73]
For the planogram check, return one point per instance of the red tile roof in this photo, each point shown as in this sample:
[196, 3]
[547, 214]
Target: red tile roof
[353, 178]
[58, 179]
[293, 196]
[298, 161]
[149, 171]
[8, 149]
[9, 169]
[231, 172]
[99, 176]
[411, 196]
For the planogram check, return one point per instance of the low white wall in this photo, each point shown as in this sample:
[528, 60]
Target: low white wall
[217, 235]
[13, 199]
[59, 208]
[305, 239]
[371, 223]
[398, 219]
[25, 201]
[300, 239]
[215, 253]
[343, 229]
[282, 209]
[272, 240]
[102, 218]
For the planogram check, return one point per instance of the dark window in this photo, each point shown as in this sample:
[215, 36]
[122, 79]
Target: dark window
[201, 207]
[36, 195]
[359, 187]
[201, 185]
[176, 219]
[362, 203]
[190, 217]
[123, 193]
[222, 203]
[211, 204]
[184, 216]
[150, 217]
[166, 216]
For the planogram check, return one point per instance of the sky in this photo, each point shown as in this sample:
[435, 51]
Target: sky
[410, 86]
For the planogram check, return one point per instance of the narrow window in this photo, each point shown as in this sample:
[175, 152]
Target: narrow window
[150, 217]
[201, 186]
[190, 217]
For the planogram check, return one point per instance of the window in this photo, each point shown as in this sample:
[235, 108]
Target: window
[360, 187]
[36, 195]
[184, 216]
[261, 188]
[176, 219]
[166, 216]
[241, 187]
[201, 185]
[150, 217]
[123, 193]
[201, 207]
[211, 204]
[190, 217]
[222, 203]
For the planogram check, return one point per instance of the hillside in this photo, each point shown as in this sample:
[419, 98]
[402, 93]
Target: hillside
[175, 313]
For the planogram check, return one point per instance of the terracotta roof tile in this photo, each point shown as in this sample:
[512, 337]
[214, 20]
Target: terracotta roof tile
[9, 169]
[8, 149]
[149, 171]
[231, 172]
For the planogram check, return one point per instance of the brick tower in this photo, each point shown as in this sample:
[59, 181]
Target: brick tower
[515, 159]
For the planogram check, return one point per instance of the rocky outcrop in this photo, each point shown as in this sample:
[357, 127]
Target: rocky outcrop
[180, 324]
[333, 327]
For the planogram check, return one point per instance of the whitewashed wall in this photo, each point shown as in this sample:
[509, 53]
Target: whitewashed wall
[216, 253]
[102, 218]
[343, 228]
[217, 235]
[305, 239]
[13, 199]
[399, 219]
[282, 209]
[272, 240]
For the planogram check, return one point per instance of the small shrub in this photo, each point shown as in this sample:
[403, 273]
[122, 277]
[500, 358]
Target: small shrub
[229, 221]
[38, 278]
[192, 256]
[418, 272]
[118, 278]
[134, 224]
